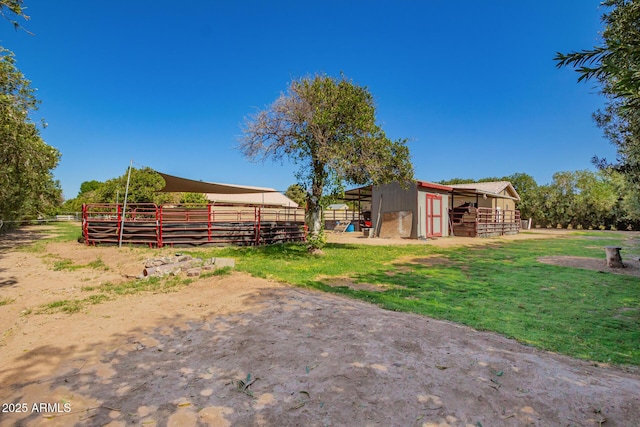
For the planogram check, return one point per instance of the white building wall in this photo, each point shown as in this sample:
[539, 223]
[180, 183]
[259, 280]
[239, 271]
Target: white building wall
[421, 225]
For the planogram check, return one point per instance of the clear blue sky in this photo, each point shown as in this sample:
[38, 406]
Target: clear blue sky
[167, 84]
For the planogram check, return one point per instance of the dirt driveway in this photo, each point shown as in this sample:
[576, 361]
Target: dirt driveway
[244, 351]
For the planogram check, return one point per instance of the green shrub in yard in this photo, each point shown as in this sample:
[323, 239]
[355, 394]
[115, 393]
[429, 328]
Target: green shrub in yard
[98, 264]
[65, 264]
[69, 265]
[67, 306]
[224, 271]
[109, 290]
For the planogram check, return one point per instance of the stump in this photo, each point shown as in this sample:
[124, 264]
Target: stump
[613, 257]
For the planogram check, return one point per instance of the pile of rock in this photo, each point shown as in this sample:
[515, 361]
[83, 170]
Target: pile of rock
[158, 267]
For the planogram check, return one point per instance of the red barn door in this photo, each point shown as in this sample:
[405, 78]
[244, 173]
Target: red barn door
[434, 215]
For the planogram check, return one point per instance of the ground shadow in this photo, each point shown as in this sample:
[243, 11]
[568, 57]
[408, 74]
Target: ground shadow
[306, 358]
[7, 281]
[20, 237]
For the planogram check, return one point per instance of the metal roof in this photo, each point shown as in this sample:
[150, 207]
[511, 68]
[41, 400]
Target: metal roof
[434, 186]
[361, 193]
[492, 189]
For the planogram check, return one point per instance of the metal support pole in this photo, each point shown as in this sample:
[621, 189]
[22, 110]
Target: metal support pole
[124, 208]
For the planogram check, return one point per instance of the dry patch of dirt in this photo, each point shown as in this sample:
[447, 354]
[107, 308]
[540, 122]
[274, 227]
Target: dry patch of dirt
[358, 238]
[351, 284]
[632, 266]
[243, 351]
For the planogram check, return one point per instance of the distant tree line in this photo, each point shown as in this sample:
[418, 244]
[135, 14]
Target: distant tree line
[580, 199]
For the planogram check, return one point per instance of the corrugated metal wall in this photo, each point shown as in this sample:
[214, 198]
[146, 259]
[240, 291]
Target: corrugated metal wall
[393, 198]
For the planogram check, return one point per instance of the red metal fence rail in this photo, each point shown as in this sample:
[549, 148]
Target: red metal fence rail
[170, 225]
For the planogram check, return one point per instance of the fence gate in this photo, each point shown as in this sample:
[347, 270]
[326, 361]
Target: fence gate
[434, 215]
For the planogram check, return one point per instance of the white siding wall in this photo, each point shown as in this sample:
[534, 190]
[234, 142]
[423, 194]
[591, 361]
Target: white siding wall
[422, 212]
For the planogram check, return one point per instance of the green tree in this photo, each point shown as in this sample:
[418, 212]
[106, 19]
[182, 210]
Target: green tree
[193, 198]
[615, 64]
[581, 198]
[454, 181]
[88, 186]
[626, 213]
[12, 10]
[27, 185]
[88, 194]
[296, 193]
[328, 127]
[526, 187]
[144, 187]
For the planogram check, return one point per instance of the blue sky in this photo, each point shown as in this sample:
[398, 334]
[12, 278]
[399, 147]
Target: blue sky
[168, 84]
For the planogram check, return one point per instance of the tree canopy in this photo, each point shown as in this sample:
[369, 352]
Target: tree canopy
[615, 64]
[11, 10]
[296, 193]
[328, 127]
[579, 199]
[27, 185]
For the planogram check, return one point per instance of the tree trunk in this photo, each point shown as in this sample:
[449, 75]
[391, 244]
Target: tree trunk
[314, 217]
[614, 260]
[314, 206]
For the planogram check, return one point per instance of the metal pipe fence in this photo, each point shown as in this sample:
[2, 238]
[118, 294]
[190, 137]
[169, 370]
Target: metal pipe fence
[168, 225]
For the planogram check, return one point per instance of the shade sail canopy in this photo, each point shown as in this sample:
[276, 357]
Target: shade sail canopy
[184, 185]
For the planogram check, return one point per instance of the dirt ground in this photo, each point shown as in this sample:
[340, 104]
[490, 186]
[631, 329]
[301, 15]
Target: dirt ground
[243, 351]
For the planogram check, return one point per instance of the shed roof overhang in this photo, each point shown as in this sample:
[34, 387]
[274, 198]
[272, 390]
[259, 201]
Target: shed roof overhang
[433, 186]
[470, 192]
[362, 194]
[184, 185]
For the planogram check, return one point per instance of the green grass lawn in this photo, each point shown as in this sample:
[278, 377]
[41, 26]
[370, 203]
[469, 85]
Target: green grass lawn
[500, 287]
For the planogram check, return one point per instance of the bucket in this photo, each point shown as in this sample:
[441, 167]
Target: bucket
[350, 228]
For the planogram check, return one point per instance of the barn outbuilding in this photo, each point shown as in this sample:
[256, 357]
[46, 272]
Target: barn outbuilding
[418, 211]
[495, 195]
[425, 209]
[484, 209]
